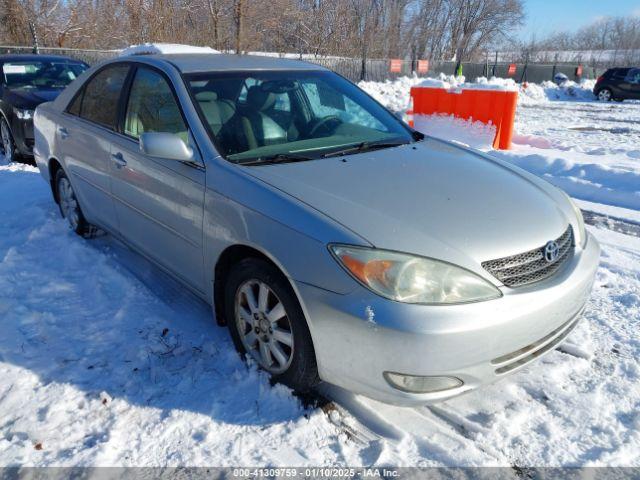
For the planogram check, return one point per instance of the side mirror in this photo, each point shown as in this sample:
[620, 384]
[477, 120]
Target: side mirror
[165, 145]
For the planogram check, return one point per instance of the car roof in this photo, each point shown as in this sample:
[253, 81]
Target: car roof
[206, 62]
[17, 57]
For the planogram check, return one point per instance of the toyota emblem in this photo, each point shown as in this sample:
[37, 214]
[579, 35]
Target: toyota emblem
[551, 251]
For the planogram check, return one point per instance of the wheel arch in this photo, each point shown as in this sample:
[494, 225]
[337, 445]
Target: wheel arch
[53, 165]
[229, 257]
[3, 116]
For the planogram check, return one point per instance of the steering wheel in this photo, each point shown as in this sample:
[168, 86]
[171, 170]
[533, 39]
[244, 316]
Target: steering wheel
[324, 122]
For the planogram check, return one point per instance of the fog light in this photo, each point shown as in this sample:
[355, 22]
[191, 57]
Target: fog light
[415, 384]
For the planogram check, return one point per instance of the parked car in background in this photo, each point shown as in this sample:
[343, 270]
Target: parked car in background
[335, 242]
[26, 81]
[618, 84]
[560, 79]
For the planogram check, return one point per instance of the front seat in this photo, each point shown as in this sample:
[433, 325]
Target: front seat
[259, 128]
[217, 111]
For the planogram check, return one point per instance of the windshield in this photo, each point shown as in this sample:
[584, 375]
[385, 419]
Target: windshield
[291, 115]
[41, 74]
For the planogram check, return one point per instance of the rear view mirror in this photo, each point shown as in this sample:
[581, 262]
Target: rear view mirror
[165, 145]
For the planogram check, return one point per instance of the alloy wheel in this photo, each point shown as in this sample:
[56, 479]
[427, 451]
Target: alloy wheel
[68, 203]
[604, 95]
[264, 327]
[7, 142]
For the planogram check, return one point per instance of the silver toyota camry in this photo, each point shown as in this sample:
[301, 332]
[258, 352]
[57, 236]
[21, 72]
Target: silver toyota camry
[335, 243]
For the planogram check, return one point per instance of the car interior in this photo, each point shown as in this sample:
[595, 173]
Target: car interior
[41, 74]
[248, 114]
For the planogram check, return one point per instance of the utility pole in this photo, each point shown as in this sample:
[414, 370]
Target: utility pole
[34, 35]
[239, 25]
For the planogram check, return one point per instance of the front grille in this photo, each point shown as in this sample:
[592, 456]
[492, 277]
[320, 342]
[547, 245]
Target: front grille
[530, 267]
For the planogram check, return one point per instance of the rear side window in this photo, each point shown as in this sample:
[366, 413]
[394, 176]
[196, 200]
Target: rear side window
[74, 108]
[99, 102]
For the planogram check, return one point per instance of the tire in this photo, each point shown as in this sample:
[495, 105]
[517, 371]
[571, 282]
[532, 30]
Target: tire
[605, 95]
[295, 365]
[7, 145]
[70, 207]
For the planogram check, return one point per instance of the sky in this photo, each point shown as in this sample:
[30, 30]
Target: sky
[548, 16]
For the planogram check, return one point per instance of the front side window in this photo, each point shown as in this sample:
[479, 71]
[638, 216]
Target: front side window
[152, 107]
[100, 97]
[258, 115]
[46, 74]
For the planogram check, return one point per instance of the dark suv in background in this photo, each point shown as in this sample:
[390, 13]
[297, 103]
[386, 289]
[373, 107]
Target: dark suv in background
[26, 81]
[618, 84]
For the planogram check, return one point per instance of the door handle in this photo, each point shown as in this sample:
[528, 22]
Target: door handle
[63, 132]
[119, 160]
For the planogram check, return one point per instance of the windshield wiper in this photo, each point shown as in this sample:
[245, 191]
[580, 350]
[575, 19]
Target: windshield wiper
[277, 158]
[364, 147]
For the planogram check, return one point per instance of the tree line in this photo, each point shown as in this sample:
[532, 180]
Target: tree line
[433, 29]
[608, 41]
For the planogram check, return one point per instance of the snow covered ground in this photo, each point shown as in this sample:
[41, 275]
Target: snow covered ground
[106, 361]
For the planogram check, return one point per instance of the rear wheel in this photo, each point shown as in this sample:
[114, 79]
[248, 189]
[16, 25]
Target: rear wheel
[69, 206]
[266, 322]
[605, 95]
[7, 145]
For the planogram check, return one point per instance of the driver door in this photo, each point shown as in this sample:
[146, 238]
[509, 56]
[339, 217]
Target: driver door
[159, 202]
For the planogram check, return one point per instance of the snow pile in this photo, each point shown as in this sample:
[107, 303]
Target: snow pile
[164, 48]
[451, 82]
[548, 91]
[447, 127]
[580, 175]
[394, 94]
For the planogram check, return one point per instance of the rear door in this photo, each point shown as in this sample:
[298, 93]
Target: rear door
[84, 137]
[159, 202]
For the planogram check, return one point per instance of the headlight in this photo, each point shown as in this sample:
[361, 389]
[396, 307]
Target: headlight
[410, 279]
[23, 114]
[581, 234]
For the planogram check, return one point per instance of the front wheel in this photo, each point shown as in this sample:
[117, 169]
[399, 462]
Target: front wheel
[7, 145]
[266, 322]
[605, 95]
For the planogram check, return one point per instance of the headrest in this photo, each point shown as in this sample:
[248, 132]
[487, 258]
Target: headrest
[206, 96]
[260, 100]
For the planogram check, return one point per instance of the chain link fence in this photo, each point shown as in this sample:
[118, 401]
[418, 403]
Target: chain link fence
[377, 69]
[86, 55]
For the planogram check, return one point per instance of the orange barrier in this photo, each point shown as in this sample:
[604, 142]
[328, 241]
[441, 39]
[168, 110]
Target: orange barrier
[497, 107]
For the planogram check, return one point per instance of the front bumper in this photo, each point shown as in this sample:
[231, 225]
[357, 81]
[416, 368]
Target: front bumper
[359, 336]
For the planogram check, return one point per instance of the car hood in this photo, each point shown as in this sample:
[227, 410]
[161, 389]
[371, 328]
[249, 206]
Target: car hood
[432, 199]
[30, 98]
